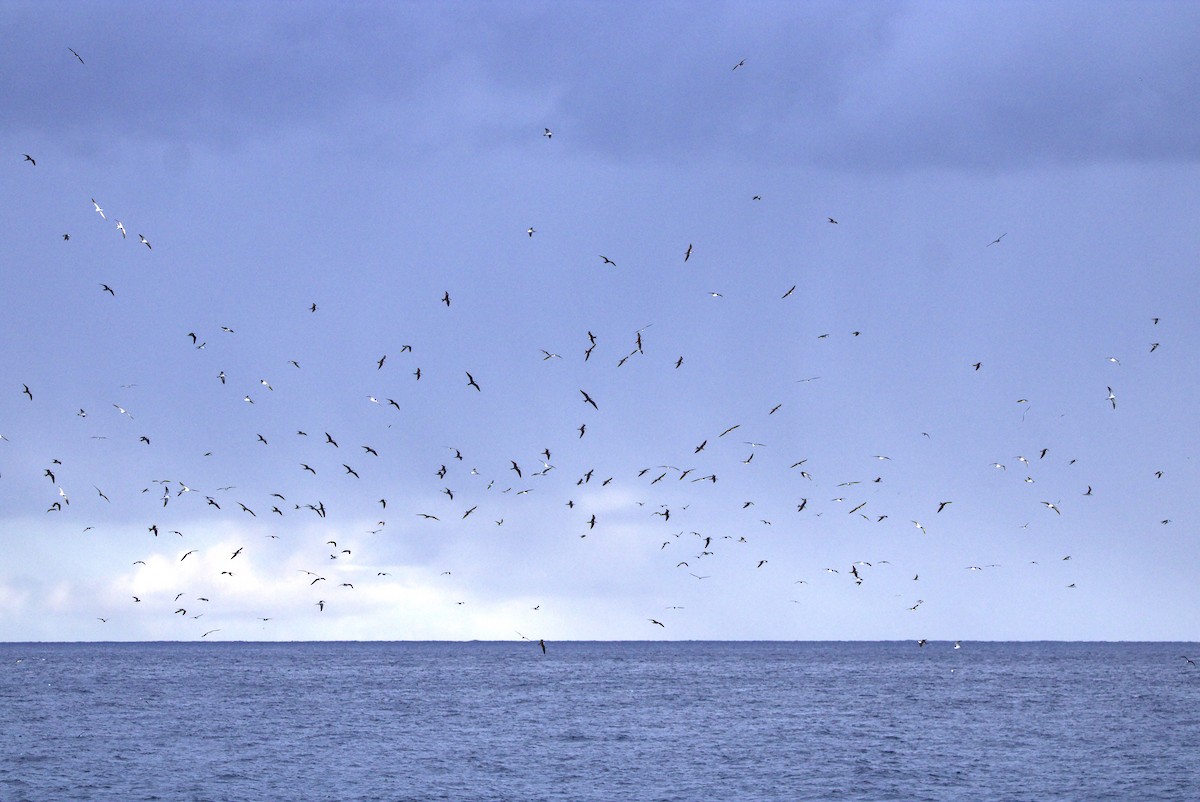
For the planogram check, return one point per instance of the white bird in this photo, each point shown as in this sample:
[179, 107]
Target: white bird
[531, 231]
[99, 211]
[145, 241]
[546, 132]
[1112, 399]
[121, 228]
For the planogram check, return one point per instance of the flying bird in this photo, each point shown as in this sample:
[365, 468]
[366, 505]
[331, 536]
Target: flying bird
[688, 253]
[76, 55]
[996, 241]
[29, 159]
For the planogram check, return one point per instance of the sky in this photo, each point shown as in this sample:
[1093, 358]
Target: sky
[887, 312]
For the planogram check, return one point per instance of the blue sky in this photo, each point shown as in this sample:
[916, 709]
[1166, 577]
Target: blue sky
[372, 158]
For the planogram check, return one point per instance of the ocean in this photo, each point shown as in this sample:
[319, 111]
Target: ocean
[599, 721]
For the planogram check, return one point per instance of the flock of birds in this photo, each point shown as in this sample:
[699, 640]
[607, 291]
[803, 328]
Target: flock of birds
[471, 495]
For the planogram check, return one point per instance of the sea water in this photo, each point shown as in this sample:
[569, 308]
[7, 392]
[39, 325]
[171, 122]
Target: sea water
[599, 721]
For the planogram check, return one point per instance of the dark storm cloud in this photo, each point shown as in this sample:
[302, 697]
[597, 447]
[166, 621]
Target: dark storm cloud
[864, 87]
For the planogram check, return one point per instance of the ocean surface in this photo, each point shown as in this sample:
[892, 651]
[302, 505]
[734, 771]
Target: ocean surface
[599, 721]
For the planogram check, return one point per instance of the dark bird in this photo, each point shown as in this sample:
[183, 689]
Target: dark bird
[446, 298]
[789, 292]
[26, 391]
[331, 441]
[471, 381]
[29, 159]
[942, 505]
[542, 643]
[996, 241]
[306, 467]
[587, 399]
[516, 468]
[741, 63]
[660, 623]
[830, 219]
[688, 253]
[608, 261]
[76, 55]
[379, 364]
[351, 471]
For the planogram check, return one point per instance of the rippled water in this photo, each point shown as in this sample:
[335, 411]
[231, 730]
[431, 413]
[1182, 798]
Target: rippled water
[599, 721]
